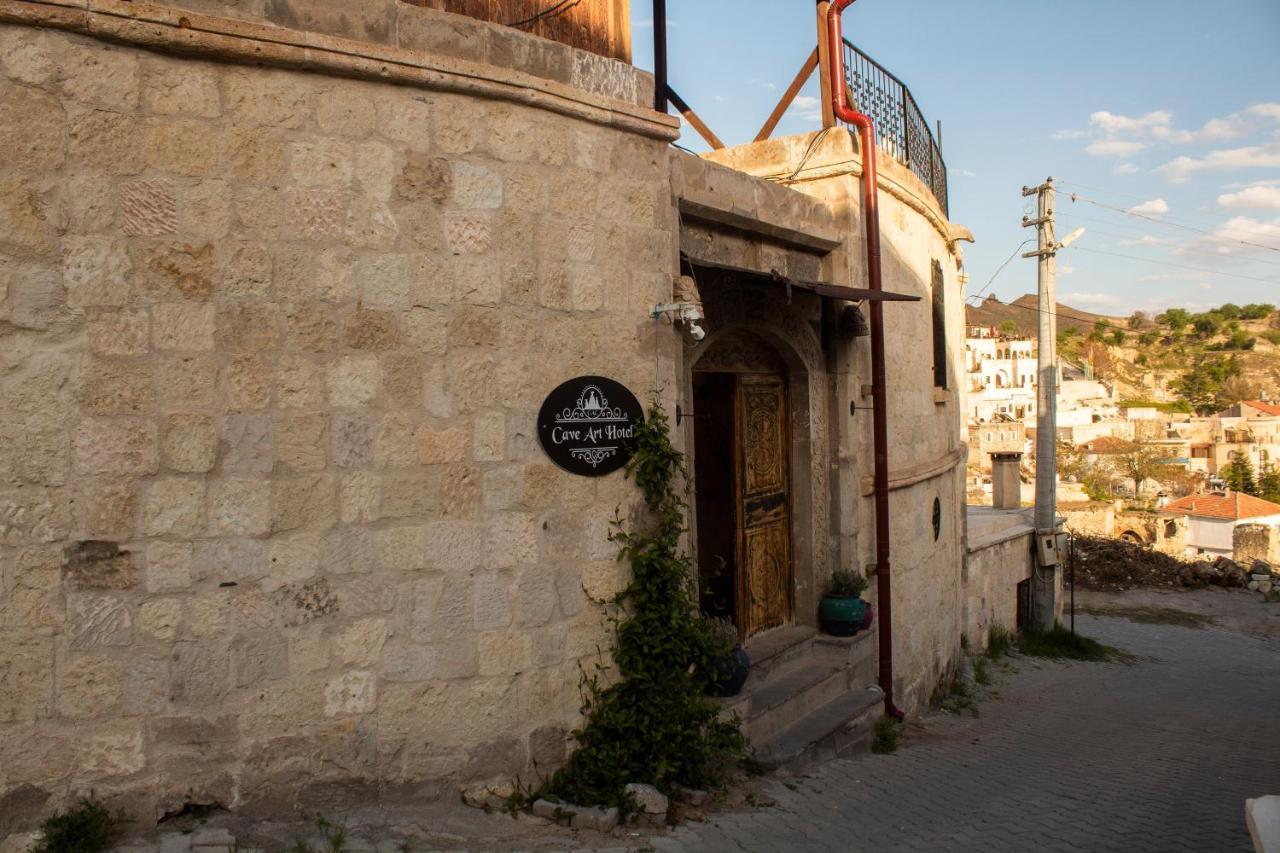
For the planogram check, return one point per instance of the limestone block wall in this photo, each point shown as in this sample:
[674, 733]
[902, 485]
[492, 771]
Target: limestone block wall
[993, 568]
[272, 343]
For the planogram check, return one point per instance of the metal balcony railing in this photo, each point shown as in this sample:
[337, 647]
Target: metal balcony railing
[901, 130]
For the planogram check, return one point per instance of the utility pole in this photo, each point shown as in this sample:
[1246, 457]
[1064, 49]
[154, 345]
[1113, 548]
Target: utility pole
[1045, 587]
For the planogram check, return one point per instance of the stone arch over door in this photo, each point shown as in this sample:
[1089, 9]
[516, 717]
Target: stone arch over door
[763, 332]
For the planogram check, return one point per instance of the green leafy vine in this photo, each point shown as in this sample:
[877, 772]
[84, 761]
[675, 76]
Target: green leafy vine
[653, 724]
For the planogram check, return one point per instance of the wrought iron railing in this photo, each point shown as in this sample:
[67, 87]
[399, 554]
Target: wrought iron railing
[901, 130]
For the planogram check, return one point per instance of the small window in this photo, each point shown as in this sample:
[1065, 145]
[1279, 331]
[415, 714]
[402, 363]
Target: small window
[939, 328]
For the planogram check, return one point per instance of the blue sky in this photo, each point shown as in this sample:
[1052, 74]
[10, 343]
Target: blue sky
[1168, 109]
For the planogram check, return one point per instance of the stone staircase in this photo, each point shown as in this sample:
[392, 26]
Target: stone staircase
[810, 697]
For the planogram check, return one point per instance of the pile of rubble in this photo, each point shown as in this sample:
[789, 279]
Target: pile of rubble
[1114, 565]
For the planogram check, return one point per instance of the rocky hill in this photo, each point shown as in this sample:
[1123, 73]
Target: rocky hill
[1207, 361]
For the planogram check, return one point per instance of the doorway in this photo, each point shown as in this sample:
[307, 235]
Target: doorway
[742, 491]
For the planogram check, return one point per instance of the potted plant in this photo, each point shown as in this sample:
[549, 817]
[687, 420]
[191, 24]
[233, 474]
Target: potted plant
[729, 665]
[843, 612]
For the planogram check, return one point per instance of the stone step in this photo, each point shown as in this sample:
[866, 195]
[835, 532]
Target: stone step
[793, 692]
[858, 651]
[843, 726]
[779, 649]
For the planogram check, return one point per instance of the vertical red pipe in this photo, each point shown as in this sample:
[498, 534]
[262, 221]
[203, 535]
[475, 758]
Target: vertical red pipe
[879, 404]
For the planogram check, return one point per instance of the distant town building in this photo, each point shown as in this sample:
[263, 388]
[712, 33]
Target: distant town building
[1211, 519]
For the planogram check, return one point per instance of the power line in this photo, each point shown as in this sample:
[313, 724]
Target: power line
[1175, 266]
[1001, 267]
[550, 12]
[1171, 224]
[1111, 194]
[1075, 217]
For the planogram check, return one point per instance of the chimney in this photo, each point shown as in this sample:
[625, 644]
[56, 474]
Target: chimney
[1006, 479]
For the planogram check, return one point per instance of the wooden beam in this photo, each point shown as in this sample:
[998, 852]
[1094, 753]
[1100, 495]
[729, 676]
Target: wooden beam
[824, 66]
[692, 117]
[788, 96]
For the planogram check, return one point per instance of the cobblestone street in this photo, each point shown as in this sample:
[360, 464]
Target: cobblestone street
[1154, 755]
[1158, 755]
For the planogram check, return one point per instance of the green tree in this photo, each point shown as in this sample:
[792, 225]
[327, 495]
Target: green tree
[1206, 325]
[1137, 320]
[1256, 311]
[1117, 337]
[1137, 462]
[1269, 482]
[1008, 327]
[1238, 474]
[1228, 310]
[1146, 339]
[1175, 319]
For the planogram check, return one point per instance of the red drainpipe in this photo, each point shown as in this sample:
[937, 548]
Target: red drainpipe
[879, 415]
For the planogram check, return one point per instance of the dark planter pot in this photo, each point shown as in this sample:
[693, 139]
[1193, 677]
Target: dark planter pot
[842, 615]
[729, 673]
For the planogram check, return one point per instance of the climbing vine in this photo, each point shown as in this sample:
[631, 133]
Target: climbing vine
[653, 724]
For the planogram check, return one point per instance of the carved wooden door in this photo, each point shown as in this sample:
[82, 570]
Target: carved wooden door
[764, 568]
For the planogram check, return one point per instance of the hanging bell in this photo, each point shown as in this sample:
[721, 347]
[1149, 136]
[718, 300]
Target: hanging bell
[852, 323]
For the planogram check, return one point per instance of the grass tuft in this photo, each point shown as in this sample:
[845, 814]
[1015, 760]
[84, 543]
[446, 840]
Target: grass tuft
[1060, 644]
[981, 671]
[86, 828]
[887, 734]
[1000, 641]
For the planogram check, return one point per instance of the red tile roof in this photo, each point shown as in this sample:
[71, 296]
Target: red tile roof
[1268, 408]
[1230, 506]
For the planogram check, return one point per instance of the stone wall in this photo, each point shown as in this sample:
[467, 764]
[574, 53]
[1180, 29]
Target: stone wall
[994, 566]
[272, 513]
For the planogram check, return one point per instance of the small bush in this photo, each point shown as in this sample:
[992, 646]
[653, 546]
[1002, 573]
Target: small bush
[87, 828]
[847, 582]
[1000, 641]
[333, 837]
[981, 671]
[888, 733]
[954, 696]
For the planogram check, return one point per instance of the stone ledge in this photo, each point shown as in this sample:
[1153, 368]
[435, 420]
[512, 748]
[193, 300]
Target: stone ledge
[171, 30]
[904, 477]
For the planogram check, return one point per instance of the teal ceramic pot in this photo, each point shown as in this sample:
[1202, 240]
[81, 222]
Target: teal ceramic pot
[842, 615]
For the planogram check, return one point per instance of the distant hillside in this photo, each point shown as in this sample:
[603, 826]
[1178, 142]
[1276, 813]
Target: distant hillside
[1210, 360]
[1022, 313]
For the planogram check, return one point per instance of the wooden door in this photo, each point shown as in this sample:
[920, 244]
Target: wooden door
[764, 567]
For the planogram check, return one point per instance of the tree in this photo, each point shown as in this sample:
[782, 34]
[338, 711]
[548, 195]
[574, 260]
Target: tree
[1138, 461]
[1137, 320]
[1117, 337]
[1008, 327]
[1206, 325]
[1202, 384]
[1238, 474]
[1269, 482]
[1175, 319]
[1256, 311]
[1228, 310]
[1234, 389]
[1075, 465]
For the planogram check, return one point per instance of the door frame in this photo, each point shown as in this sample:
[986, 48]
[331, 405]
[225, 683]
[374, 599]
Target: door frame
[807, 497]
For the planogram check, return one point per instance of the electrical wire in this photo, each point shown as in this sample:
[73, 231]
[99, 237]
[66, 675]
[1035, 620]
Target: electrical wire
[808, 152]
[1000, 268]
[1077, 197]
[1073, 218]
[1204, 270]
[557, 9]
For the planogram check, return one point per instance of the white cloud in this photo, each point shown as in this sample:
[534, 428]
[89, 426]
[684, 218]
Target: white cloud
[1269, 110]
[1104, 299]
[1068, 133]
[1124, 169]
[807, 107]
[1146, 240]
[1154, 207]
[1267, 197]
[1231, 237]
[1065, 269]
[1115, 124]
[1114, 148]
[1180, 169]
[964, 173]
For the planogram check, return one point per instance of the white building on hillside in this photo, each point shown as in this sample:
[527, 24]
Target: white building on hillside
[1211, 519]
[1001, 376]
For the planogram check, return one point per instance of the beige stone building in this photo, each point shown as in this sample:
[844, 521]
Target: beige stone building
[282, 288]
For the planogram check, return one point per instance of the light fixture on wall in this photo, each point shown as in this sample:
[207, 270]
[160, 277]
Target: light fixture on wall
[853, 324]
[687, 313]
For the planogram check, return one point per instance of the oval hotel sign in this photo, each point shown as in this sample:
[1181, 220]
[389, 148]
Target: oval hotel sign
[587, 425]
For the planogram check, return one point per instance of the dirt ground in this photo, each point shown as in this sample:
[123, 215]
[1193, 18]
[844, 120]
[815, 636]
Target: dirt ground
[1235, 610]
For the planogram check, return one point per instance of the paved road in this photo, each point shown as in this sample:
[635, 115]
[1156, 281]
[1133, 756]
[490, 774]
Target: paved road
[1154, 756]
